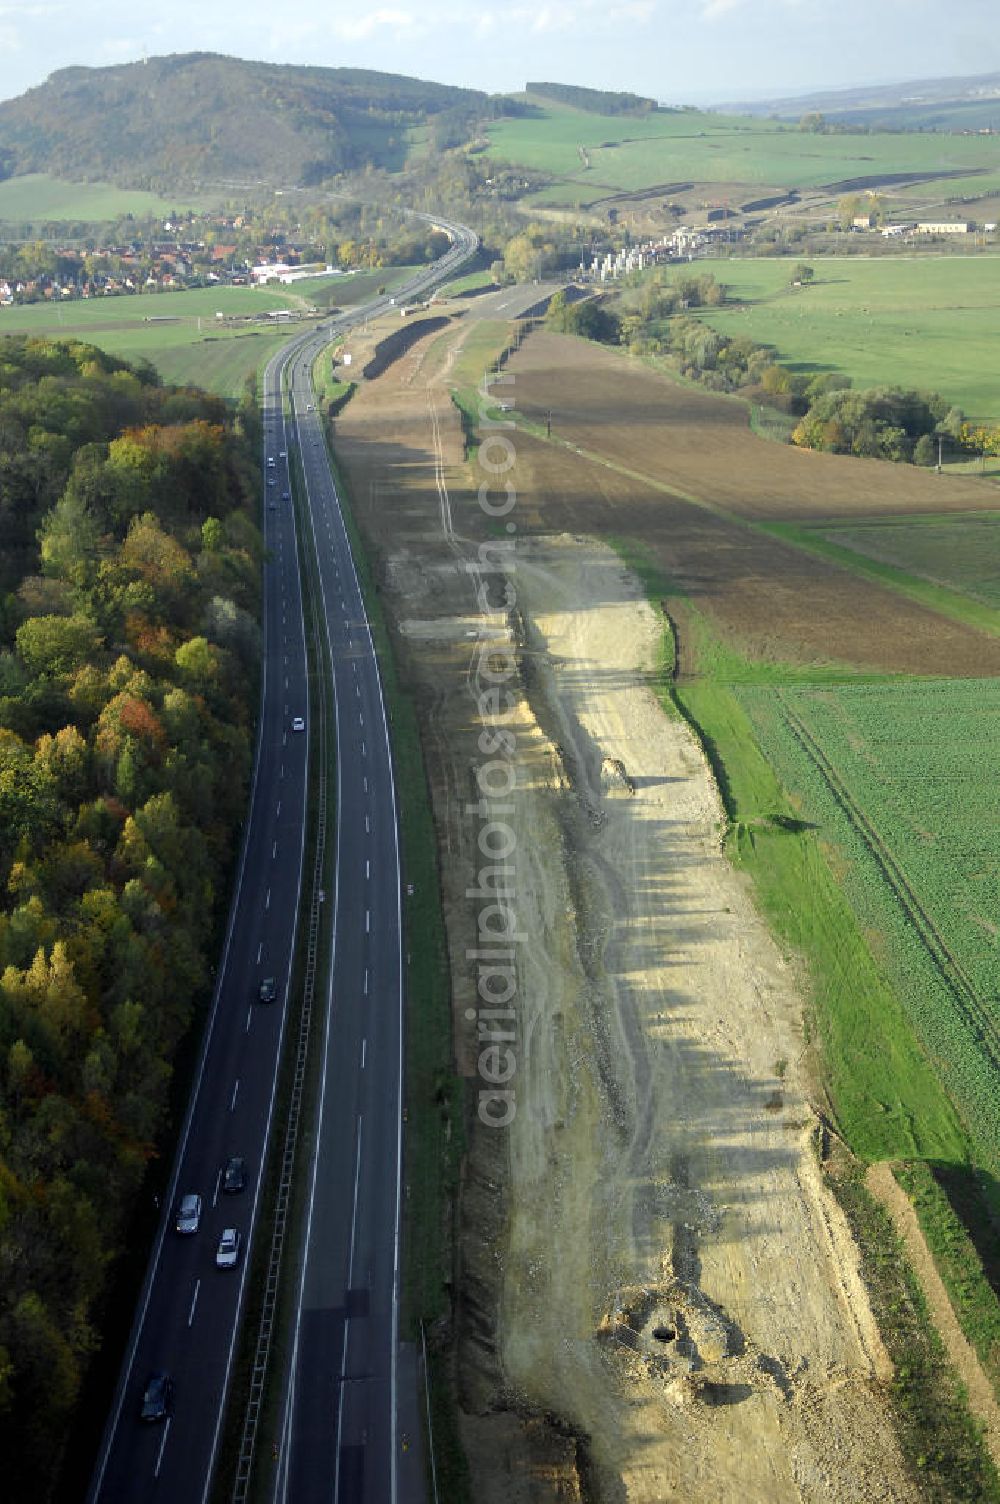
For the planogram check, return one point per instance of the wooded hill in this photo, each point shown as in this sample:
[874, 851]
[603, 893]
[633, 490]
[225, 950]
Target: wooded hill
[595, 101]
[129, 599]
[199, 117]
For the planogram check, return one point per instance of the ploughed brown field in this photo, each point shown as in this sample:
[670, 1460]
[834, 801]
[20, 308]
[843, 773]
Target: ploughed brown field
[768, 599]
[702, 444]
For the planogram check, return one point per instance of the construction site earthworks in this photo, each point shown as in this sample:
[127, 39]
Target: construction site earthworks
[657, 1294]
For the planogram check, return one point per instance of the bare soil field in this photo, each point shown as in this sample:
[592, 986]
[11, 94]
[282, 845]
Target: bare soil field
[771, 601]
[702, 444]
[658, 1297]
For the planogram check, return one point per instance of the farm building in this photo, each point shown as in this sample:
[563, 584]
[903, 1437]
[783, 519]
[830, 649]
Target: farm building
[944, 227]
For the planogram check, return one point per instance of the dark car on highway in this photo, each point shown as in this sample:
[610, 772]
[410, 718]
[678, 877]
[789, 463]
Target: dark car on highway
[267, 991]
[234, 1176]
[158, 1397]
[188, 1218]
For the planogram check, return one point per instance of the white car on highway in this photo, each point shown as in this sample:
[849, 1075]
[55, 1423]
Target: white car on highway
[228, 1251]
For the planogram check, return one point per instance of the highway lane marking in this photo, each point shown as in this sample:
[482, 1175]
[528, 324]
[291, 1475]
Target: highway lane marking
[361, 720]
[246, 1028]
[366, 785]
[267, 900]
[215, 1194]
[236, 1089]
[274, 850]
[282, 773]
[278, 810]
[364, 752]
[259, 950]
[194, 1301]
[159, 1455]
[284, 738]
[364, 1044]
[368, 921]
[366, 981]
[368, 868]
[368, 825]
[347, 1323]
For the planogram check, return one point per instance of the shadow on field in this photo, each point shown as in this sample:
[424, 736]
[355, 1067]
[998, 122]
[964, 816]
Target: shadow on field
[974, 1196]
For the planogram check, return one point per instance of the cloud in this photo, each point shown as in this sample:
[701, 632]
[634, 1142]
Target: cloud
[360, 28]
[632, 10]
[713, 10]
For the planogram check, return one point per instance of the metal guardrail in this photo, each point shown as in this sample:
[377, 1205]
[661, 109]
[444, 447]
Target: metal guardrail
[258, 1374]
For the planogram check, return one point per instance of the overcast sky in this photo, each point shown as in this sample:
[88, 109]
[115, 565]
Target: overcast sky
[677, 51]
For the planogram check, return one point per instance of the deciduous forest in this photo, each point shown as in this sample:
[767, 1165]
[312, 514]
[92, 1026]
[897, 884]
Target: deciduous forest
[129, 598]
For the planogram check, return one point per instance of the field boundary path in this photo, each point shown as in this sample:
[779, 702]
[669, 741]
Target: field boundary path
[982, 1401]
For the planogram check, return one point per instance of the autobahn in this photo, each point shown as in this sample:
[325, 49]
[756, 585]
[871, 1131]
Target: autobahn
[341, 1431]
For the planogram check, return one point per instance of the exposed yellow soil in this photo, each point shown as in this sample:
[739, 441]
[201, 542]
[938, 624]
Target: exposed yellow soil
[658, 1296]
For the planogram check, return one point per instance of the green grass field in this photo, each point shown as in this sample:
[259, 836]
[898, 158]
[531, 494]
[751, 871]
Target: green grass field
[961, 554]
[197, 348]
[36, 198]
[346, 291]
[882, 1087]
[925, 321]
[900, 782]
[628, 153]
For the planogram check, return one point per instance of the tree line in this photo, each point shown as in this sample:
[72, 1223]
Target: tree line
[129, 603]
[657, 316]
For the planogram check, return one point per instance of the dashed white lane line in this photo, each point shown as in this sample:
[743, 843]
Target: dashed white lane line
[163, 1443]
[194, 1300]
[368, 868]
[363, 751]
[260, 950]
[364, 1047]
[368, 921]
[274, 850]
[267, 900]
[236, 1092]
[246, 1027]
[366, 785]
[368, 825]
[366, 981]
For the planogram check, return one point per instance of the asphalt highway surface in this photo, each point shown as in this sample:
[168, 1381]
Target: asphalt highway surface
[348, 1398]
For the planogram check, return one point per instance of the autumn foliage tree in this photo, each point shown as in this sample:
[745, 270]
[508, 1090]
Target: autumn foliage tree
[128, 609]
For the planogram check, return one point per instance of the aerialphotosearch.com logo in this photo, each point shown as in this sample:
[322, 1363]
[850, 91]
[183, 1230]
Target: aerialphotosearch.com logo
[495, 889]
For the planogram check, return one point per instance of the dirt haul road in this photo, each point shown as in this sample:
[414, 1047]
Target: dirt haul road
[658, 1297]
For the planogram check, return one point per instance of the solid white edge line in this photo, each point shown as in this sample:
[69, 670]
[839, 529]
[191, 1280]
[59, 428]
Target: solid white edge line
[258, 1185]
[394, 1356]
[282, 1478]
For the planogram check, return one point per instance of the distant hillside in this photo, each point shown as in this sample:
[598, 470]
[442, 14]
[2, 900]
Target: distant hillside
[594, 101]
[949, 102]
[201, 117]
